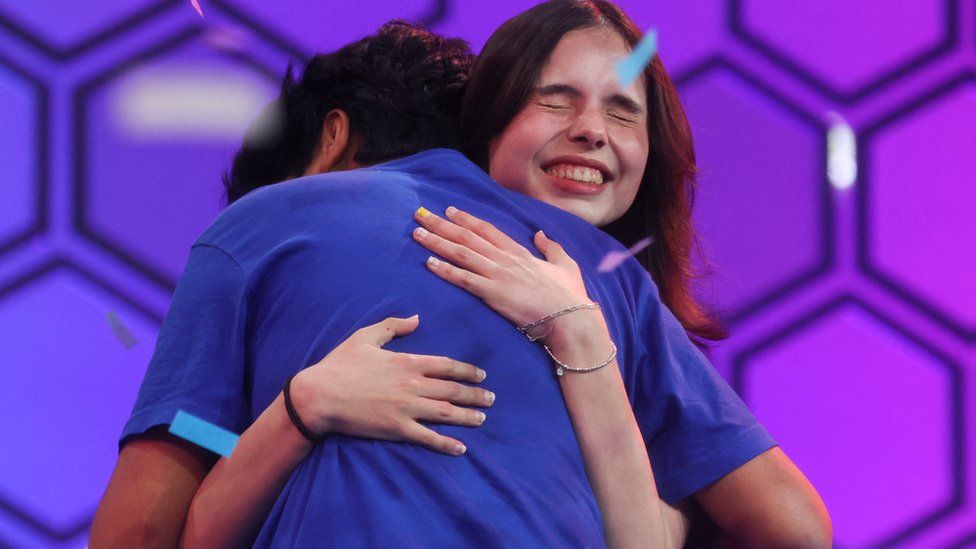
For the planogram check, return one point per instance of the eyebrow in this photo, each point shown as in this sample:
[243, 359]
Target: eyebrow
[618, 100]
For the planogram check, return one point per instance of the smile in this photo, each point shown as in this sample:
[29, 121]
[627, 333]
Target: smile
[582, 174]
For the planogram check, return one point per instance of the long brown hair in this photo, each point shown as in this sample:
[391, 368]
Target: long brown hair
[502, 81]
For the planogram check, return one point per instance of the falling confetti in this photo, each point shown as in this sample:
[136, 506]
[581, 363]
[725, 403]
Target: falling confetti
[120, 331]
[629, 68]
[841, 153]
[196, 6]
[613, 259]
[203, 433]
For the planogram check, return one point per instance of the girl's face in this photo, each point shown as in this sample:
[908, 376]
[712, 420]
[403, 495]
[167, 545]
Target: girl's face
[580, 142]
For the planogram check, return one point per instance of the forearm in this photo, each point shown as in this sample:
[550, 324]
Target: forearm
[610, 440]
[768, 502]
[234, 500]
[146, 502]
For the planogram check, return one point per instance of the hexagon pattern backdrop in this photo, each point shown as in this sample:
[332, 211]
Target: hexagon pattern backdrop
[852, 307]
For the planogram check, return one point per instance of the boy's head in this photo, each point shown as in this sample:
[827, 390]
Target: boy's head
[389, 95]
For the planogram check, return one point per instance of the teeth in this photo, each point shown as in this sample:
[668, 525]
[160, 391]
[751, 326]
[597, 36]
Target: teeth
[576, 173]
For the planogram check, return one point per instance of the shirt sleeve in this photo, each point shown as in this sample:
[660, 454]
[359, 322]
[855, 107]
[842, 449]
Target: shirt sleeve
[198, 365]
[696, 428]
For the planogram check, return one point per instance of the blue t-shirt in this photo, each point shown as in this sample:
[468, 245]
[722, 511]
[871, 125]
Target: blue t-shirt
[291, 270]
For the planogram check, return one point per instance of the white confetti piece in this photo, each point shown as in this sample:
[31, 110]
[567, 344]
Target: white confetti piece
[615, 258]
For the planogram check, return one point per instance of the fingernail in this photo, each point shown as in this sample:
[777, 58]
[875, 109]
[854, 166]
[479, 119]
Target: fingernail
[460, 449]
[422, 212]
[490, 398]
[451, 210]
[483, 374]
[420, 231]
[433, 261]
[481, 417]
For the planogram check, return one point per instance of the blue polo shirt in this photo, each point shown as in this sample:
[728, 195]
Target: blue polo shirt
[291, 270]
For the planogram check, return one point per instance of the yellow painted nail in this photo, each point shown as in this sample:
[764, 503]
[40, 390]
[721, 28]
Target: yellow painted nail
[422, 212]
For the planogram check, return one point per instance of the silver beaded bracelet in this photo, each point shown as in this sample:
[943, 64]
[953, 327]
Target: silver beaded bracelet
[525, 327]
[561, 366]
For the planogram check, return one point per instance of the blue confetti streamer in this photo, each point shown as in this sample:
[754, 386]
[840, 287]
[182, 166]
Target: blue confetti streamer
[629, 68]
[203, 433]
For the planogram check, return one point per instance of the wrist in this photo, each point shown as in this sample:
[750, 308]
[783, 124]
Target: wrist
[584, 327]
[542, 328]
[307, 406]
[582, 341]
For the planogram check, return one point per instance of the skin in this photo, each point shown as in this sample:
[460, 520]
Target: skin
[237, 495]
[578, 115]
[766, 502]
[232, 502]
[523, 288]
[158, 475]
[147, 498]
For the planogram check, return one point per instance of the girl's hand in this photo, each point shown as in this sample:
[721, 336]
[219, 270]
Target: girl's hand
[506, 276]
[361, 390]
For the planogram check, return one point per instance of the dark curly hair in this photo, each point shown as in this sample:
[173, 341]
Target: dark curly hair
[401, 87]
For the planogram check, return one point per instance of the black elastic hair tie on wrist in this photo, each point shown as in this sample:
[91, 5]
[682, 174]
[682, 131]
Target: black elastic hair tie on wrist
[290, 408]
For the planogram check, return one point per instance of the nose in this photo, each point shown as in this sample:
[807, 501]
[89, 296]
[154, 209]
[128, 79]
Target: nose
[589, 129]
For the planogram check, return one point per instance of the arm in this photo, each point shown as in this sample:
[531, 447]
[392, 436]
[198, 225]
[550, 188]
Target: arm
[358, 389]
[610, 440]
[150, 491]
[523, 288]
[768, 502]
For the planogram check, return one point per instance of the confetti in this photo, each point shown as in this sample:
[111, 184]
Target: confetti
[196, 6]
[120, 331]
[841, 153]
[203, 433]
[629, 68]
[613, 259]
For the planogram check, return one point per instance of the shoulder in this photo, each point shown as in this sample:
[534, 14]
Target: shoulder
[282, 209]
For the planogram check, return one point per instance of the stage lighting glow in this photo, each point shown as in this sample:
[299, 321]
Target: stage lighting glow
[841, 154]
[188, 104]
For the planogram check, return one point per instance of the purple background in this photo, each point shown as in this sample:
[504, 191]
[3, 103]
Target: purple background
[853, 311]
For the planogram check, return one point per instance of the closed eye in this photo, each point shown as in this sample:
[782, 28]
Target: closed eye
[553, 106]
[622, 117]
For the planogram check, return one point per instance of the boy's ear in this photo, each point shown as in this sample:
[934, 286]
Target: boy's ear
[337, 147]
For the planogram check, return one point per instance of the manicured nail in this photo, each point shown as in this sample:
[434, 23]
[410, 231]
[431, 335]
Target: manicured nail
[481, 417]
[422, 212]
[451, 210]
[420, 231]
[433, 261]
[490, 398]
[460, 449]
